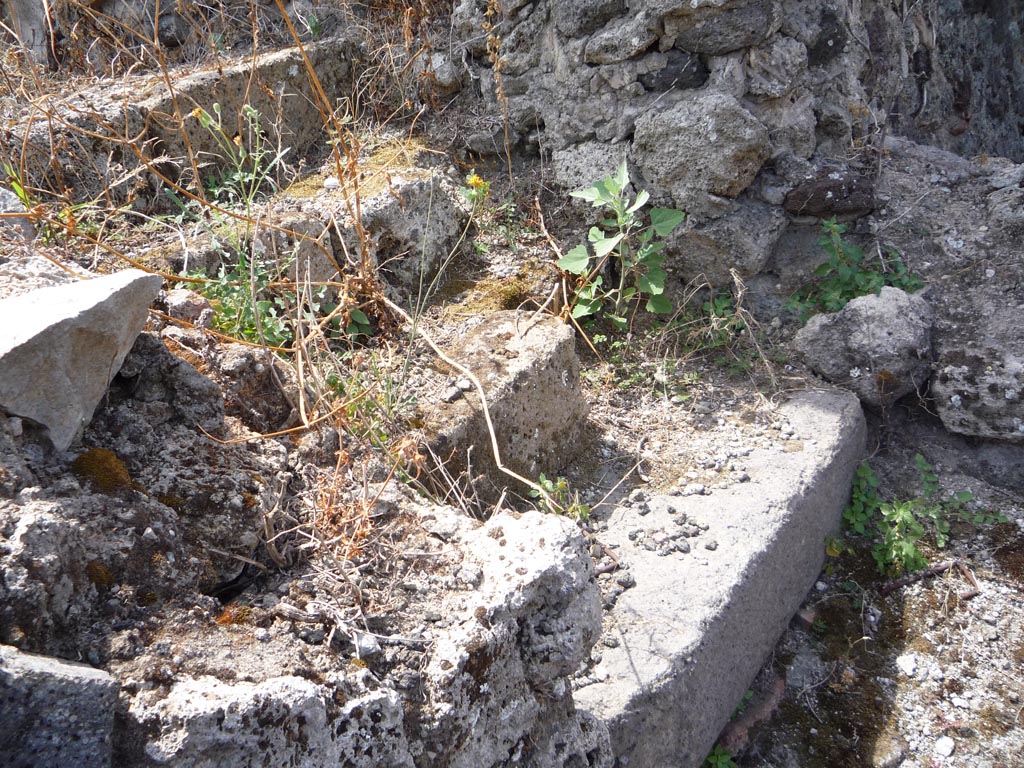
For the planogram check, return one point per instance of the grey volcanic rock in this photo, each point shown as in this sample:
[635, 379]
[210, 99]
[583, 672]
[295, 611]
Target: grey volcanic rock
[54, 713]
[492, 682]
[979, 391]
[705, 144]
[61, 346]
[877, 346]
[836, 193]
[208, 723]
[721, 27]
[742, 240]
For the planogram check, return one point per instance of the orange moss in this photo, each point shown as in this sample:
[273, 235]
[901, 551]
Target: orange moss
[102, 469]
[234, 614]
[99, 574]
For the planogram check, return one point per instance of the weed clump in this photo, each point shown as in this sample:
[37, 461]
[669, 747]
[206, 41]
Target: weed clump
[848, 274]
[901, 526]
[102, 469]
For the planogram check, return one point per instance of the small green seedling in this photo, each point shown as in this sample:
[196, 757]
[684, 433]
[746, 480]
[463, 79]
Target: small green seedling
[719, 757]
[564, 500]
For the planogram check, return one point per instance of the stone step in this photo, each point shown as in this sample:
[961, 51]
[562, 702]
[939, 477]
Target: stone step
[680, 647]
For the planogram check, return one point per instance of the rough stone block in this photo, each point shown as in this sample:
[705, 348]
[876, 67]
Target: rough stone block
[706, 143]
[877, 346]
[530, 374]
[54, 713]
[979, 379]
[61, 346]
[683, 644]
[719, 28]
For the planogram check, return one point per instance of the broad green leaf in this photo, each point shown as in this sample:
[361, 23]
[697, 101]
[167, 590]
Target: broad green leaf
[584, 308]
[641, 200]
[606, 192]
[590, 194]
[358, 316]
[653, 282]
[651, 255]
[575, 261]
[606, 245]
[822, 270]
[664, 220]
[659, 304]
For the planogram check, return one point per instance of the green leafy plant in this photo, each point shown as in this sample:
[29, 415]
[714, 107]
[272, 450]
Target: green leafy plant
[567, 501]
[902, 525]
[251, 162]
[245, 305]
[901, 529]
[848, 273]
[315, 26]
[633, 247]
[864, 502]
[719, 757]
[745, 699]
[379, 404]
[17, 185]
[721, 321]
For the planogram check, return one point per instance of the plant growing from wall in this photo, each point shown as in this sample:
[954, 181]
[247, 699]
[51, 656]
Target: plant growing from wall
[848, 273]
[627, 240]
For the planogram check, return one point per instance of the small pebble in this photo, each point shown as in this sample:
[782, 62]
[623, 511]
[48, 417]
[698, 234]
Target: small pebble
[366, 645]
[711, 545]
[944, 746]
[907, 664]
[330, 182]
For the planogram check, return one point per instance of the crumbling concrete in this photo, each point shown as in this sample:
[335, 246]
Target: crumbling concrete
[530, 375]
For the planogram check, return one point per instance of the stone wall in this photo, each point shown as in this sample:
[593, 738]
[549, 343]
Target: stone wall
[724, 106]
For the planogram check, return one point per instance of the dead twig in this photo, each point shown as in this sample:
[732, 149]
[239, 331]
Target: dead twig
[935, 570]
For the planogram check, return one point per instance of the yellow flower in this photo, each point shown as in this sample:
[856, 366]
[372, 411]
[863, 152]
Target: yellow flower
[197, 112]
[475, 181]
